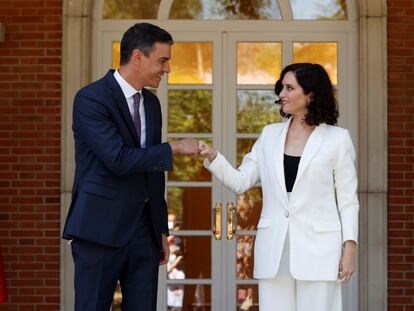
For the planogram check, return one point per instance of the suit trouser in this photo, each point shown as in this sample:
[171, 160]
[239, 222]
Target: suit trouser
[284, 293]
[98, 269]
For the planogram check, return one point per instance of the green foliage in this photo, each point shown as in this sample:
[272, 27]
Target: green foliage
[189, 111]
[255, 109]
[126, 9]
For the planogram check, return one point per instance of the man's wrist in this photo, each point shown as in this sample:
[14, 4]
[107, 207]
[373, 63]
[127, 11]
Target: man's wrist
[175, 147]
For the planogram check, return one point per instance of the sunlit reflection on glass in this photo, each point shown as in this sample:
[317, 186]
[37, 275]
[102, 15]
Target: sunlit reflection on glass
[244, 257]
[255, 109]
[191, 63]
[126, 9]
[116, 54]
[249, 206]
[183, 297]
[224, 9]
[324, 53]
[189, 208]
[189, 111]
[258, 62]
[183, 250]
[319, 9]
[247, 297]
[187, 168]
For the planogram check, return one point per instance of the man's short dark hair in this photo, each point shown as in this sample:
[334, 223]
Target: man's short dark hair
[142, 36]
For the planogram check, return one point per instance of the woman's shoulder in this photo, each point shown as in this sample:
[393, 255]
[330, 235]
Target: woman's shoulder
[334, 129]
[337, 133]
[274, 126]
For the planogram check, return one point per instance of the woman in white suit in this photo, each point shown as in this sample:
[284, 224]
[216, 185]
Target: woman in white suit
[306, 239]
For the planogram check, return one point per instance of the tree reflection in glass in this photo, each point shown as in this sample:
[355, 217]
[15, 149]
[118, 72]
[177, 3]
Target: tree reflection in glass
[189, 111]
[249, 206]
[126, 9]
[244, 257]
[225, 9]
[255, 109]
[319, 9]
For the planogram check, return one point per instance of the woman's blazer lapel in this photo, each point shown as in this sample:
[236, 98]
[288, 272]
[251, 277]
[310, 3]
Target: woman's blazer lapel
[311, 148]
[280, 149]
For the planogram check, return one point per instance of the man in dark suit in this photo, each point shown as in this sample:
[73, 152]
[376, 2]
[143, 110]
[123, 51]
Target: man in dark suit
[117, 222]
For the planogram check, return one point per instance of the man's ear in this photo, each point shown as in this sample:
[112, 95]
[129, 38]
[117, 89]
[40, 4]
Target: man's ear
[136, 56]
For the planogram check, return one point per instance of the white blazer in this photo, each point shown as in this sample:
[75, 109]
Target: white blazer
[322, 211]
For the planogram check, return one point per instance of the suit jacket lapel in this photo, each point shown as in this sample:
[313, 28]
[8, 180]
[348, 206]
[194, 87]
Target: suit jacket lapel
[120, 100]
[311, 147]
[149, 114]
[280, 149]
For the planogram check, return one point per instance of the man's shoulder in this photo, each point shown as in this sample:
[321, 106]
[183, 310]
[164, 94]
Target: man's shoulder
[97, 88]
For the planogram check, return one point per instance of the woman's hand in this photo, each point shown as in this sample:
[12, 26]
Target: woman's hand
[207, 151]
[347, 262]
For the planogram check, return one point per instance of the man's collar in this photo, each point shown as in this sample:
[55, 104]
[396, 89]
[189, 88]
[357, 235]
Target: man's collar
[127, 88]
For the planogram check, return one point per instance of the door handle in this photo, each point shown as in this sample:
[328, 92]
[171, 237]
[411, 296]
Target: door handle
[231, 220]
[217, 221]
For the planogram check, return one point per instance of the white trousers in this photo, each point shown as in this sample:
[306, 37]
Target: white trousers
[284, 293]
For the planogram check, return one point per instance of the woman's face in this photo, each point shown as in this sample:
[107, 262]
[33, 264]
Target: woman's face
[293, 99]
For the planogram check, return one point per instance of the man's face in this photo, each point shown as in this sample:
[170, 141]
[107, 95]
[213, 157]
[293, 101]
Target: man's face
[152, 67]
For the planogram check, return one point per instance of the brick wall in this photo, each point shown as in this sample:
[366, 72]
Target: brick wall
[401, 155]
[30, 94]
[30, 87]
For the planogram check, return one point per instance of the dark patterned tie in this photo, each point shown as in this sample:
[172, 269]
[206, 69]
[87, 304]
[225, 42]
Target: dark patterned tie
[137, 118]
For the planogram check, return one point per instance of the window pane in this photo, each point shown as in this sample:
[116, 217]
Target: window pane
[324, 53]
[255, 109]
[319, 9]
[186, 168]
[244, 257]
[189, 208]
[191, 63]
[189, 111]
[249, 206]
[116, 54]
[258, 62]
[127, 9]
[244, 145]
[189, 297]
[183, 251]
[224, 9]
[247, 297]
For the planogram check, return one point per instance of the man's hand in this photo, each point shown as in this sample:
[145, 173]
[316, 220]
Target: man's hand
[186, 146]
[165, 252]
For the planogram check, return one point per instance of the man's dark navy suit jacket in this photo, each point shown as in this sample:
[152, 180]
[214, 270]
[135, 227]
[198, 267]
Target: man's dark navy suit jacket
[114, 175]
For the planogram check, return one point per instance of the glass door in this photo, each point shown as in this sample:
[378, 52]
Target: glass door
[192, 279]
[220, 89]
[253, 63]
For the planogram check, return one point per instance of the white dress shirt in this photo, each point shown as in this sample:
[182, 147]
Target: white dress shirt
[129, 92]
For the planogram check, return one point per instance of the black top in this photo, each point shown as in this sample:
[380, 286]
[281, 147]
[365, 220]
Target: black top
[291, 164]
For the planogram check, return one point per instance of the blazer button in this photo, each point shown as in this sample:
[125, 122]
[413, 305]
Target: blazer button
[287, 214]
